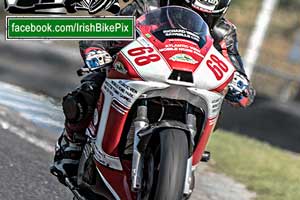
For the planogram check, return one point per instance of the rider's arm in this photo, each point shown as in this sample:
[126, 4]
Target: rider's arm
[232, 50]
[225, 35]
[241, 92]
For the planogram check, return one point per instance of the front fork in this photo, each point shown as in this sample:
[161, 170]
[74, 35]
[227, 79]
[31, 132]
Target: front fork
[190, 120]
[141, 122]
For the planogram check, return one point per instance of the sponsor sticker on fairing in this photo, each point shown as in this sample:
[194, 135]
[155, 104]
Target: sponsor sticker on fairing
[119, 67]
[183, 58]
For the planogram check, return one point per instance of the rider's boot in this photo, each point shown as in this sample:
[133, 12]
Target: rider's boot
[68, 151]
[78, 107]
[70, 144]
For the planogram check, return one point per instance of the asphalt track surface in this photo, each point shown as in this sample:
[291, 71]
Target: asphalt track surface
[24, 173]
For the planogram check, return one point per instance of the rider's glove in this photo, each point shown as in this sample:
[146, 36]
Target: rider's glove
[95, 59]
[240, 91]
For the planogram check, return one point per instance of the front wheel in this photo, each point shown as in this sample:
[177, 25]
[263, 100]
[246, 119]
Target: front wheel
[168, 162]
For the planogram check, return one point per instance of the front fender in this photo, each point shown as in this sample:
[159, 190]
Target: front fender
[146, 134]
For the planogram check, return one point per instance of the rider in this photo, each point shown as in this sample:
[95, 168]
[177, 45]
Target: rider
[78, 106]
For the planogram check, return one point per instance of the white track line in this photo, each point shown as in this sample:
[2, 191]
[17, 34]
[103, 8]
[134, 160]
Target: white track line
[36, 108]
[258, 35]
[46, 146]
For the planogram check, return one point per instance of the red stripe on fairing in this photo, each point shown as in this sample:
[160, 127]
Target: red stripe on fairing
[118, 180]
[224, 85]
[209, 126]
[113, 131]
[121, 105]
[114, 74]
[93, 128]
[224, 50]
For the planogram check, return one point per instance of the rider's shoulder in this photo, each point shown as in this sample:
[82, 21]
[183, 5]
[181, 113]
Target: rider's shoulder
[223, 28]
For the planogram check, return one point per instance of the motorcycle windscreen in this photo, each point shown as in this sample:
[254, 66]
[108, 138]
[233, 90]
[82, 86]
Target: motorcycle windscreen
[174, 22]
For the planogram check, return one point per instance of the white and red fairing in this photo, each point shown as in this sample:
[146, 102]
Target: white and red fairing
[143, 69]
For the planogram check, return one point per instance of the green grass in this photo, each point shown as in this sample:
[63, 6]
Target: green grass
[272, 173]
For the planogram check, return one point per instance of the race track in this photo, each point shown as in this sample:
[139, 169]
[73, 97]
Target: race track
[24, 166]
[29, 127]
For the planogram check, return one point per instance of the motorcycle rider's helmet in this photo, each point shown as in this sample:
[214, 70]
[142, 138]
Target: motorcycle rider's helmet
[210, 10]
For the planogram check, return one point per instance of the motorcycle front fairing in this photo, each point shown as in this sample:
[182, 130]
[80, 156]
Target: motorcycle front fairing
[171, 59]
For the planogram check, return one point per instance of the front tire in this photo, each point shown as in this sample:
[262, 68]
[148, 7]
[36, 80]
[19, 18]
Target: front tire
[170, 165]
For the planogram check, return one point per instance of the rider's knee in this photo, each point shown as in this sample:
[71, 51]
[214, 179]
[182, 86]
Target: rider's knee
[79, 104]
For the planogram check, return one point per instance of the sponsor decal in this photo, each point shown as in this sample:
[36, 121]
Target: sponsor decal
[183, 58]
[120, 67]
[182, 48]
[148, 35]
[179, 33]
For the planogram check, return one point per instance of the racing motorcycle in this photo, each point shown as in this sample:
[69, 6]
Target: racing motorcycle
[157, 109]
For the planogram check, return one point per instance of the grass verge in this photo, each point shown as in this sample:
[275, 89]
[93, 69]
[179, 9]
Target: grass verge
[272, 173]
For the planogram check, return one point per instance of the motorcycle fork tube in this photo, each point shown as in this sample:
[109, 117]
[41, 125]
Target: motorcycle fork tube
[141, 122]
[190, 120]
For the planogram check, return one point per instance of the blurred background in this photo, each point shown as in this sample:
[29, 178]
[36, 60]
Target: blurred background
[278, 65]
[267, 133]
